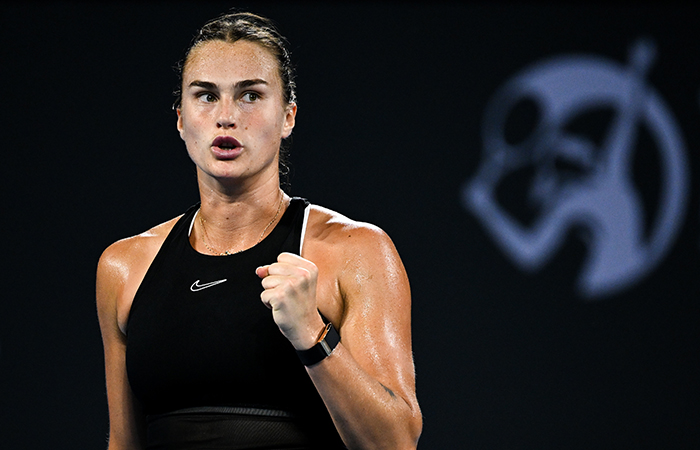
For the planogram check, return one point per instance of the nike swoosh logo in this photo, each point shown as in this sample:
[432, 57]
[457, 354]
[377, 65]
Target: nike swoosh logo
[198, 287]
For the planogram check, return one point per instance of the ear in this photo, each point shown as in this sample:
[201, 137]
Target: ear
[289, 120]
[179, 124]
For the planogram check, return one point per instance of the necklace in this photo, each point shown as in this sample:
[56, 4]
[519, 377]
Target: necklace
[202, 220]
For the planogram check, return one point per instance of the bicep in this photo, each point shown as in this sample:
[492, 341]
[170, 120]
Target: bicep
[377, 324]
[125, 418]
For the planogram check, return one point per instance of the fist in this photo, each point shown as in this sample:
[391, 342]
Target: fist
[290, 292]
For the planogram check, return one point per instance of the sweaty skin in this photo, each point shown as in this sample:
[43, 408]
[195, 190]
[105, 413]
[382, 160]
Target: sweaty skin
[349, 271]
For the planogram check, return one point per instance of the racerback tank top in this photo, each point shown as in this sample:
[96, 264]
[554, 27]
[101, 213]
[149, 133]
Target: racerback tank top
[206, 360]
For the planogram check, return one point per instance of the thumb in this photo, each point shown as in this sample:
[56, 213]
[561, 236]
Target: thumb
[262, 271]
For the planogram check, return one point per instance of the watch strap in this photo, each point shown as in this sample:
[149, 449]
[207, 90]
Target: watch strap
[324, 347]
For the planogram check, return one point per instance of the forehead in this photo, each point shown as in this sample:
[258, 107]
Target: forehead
[224, 61]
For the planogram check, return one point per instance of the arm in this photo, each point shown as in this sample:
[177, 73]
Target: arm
[368, 382]
[125, 421]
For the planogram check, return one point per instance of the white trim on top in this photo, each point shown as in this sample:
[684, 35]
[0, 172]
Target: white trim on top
[303, 227]
[189, 232]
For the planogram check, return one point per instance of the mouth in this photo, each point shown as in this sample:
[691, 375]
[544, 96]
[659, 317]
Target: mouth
[226, 143]
[226, 147]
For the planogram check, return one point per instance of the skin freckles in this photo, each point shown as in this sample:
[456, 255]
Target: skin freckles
[234, 89]
[232, 116]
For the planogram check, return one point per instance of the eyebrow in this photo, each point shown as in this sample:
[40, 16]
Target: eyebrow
[239, 85]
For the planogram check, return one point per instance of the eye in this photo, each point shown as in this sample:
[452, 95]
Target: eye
[206, 97]
[250, 97]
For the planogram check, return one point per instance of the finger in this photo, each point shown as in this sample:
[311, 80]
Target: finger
[262, 271]
[266, 299]
[289, 257]
[280, 269]
[287, 270]
[272, 282]
[272, 300]
[295, 260]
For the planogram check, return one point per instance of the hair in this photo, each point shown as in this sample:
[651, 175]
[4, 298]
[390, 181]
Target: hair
[244, 26]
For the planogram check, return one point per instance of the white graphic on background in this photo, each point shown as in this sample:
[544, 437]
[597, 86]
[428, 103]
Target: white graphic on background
[599, 196]
[198, 287]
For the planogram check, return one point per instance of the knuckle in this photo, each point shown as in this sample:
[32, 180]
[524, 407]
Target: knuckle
[289, 285]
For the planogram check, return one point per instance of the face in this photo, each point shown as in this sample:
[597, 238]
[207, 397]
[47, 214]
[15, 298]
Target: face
[233, 114]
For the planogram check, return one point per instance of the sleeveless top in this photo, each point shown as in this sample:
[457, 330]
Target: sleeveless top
[206, 361]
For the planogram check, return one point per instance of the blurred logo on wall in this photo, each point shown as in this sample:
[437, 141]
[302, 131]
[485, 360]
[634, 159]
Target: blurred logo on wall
[582, 145]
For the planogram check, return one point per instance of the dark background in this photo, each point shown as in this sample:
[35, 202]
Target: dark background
[391, 98]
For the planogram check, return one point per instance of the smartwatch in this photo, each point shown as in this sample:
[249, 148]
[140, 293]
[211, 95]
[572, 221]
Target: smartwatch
[324, 347]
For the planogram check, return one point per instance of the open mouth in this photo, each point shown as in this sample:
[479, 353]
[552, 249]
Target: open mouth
[226, 143]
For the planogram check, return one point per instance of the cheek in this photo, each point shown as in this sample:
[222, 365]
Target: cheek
[190, 127]
[268, 125]
[189, 133]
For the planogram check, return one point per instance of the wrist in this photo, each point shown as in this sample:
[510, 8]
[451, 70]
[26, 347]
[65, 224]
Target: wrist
[310, 336]
[326, 342]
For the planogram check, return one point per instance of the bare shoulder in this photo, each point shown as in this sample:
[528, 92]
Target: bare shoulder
[117, 260]
[355, 255]
[328, 227]
[122, 266]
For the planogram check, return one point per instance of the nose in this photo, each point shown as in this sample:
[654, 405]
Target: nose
[226, 117]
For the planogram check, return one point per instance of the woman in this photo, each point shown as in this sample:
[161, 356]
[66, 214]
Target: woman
[254, 320]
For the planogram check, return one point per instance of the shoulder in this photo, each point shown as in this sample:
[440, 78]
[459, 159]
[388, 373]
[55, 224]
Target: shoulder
[123, 264]
[326, 224]
[121, 255]
[326, 227]
[355, 254]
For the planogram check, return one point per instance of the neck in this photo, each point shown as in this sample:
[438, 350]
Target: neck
[235, 220]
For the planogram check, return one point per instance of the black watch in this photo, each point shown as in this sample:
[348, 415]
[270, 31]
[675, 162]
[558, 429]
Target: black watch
[323, 348]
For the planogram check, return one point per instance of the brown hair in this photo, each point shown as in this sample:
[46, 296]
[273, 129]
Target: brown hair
[244, 26]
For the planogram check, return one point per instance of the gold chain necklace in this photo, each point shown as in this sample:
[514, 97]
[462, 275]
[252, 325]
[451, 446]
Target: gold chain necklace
[202, 220]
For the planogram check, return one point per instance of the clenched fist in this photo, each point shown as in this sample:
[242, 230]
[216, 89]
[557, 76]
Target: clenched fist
[290, 292]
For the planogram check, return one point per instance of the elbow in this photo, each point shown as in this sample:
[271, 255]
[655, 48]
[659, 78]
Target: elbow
[402, 435]
[406, 437]
[414, 430]
[409, 430]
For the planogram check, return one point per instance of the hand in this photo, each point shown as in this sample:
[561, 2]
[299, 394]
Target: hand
[290, 292]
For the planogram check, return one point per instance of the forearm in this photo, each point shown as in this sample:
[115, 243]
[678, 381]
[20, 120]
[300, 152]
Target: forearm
[367, 414]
